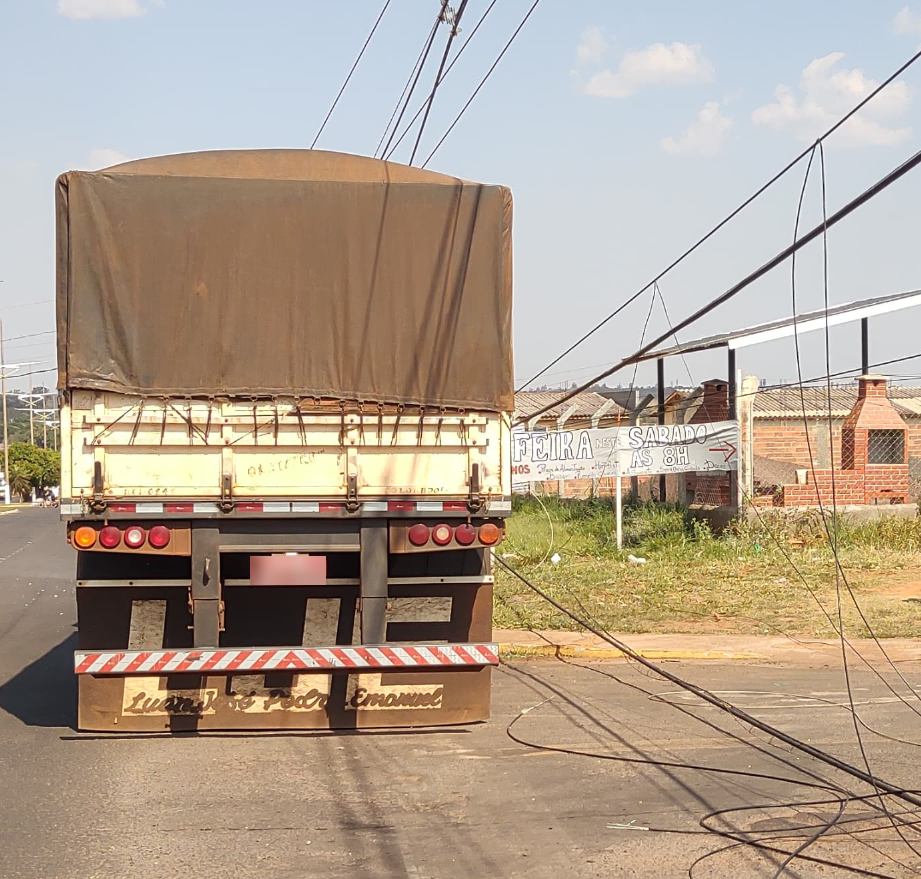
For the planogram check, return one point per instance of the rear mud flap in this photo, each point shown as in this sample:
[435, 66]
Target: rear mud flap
[304, 701]
[141, 618]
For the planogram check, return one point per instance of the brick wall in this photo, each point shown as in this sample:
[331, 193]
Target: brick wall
[784, 439]
[880, 484]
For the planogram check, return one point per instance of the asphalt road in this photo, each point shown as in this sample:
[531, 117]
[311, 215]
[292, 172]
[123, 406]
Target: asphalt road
[468, 803]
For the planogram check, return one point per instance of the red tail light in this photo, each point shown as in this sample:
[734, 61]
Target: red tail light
[441, 534]
[419, 534]
[159, 536]
[110, 537]
[465, 534]
[135, 536]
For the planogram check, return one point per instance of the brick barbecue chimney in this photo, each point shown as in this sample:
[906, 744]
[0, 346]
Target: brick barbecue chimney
[715, 403]
[874, 432]
[874, 461]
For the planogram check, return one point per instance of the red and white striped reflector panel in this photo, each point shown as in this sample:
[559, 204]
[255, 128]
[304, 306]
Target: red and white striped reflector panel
[149, 662]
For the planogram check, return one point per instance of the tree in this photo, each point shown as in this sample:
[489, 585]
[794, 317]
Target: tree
[33, 467]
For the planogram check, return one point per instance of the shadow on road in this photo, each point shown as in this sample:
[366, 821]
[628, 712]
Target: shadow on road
[45, 692]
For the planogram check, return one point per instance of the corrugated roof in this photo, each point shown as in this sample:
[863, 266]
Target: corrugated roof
[587, 404]
[789, 402]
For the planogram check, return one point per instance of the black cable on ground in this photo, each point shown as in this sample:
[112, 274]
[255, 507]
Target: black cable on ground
[831, 531]
[809, 773]
[842, 213]
[792, 163]
[737, 837]
[823, 782]
[352, 71]
[476, 91]
[716, 701]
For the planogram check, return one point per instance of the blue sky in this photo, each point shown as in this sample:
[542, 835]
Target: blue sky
[624, 130]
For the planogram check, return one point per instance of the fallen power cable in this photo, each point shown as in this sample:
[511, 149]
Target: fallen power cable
[912, 797]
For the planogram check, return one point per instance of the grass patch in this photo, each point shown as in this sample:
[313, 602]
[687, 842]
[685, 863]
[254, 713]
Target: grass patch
[741, 582]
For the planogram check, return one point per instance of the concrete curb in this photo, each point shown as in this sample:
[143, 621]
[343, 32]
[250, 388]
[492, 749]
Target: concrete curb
[524, 651]
[664, 647]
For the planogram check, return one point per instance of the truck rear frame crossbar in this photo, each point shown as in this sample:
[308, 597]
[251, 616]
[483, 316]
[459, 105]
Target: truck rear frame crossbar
[302, 659]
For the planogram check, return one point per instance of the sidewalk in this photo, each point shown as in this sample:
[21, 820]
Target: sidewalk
[753, 648]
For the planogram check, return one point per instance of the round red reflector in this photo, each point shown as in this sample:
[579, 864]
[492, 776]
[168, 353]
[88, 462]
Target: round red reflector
[465, 534]
[489, 533]
[110, 537]
[135, 536]
[419, 535]
[159, 536]
[441, 534]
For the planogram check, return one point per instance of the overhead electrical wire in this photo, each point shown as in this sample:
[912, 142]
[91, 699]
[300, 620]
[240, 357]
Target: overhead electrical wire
[26, 304]
[476, 91]
[455, 27]
[652, 303]
[30, 335]
[842, 213]
[837, 628]
[350, 73]
[819, 830]
[867, 776]
[833, 539]
[700, 241]
[399, 102]
[831, 530]
[444, 76]
[414, 77]
[779, 385]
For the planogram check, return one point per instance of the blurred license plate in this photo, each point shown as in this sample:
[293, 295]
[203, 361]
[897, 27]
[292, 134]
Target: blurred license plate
[287, 570]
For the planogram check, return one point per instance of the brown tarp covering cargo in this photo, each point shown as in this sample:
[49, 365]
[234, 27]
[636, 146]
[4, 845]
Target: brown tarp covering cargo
[285, 272]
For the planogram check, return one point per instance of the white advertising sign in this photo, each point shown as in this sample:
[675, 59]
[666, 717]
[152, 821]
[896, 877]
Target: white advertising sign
[678, 448]
[624, 451]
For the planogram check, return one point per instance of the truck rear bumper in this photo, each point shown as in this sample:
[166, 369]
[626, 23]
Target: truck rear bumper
[300, 659]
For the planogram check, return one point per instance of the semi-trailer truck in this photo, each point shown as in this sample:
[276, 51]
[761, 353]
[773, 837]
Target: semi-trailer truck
[286, 396]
